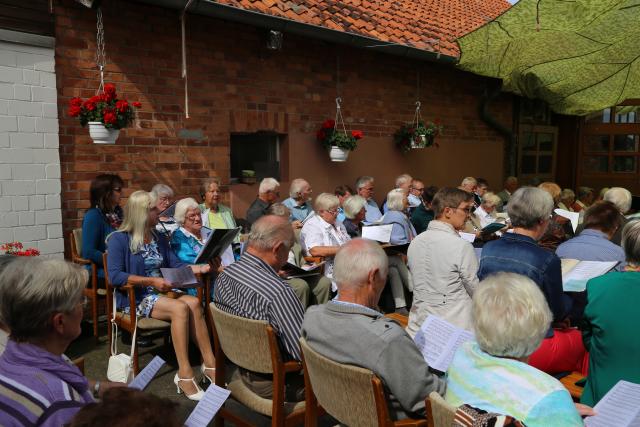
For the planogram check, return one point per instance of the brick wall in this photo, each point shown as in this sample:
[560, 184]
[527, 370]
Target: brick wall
[29, 161]
[236, 85]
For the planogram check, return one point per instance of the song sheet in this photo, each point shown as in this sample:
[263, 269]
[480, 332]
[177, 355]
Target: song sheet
[147, 374]
[181, 277]
[620, 407]
[208, 407]
[576, 278]
[469, 237]
[380, 233]
[438, 341]
[574, 217]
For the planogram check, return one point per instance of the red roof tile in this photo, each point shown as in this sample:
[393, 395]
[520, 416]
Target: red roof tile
[424, 24]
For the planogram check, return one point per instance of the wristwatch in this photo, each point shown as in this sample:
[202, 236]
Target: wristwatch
[96, 389]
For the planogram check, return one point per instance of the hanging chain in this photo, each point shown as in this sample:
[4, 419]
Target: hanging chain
[339, 118]
[101, 58]
[417, 118]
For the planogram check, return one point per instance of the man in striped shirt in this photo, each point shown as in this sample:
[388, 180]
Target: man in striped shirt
[251, 288]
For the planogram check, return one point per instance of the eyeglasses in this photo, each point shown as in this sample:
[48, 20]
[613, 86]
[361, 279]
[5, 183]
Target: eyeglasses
[117, 189]
[193, 217]
[418, 189]
[83, 302]
[332, 211]
[468, 210]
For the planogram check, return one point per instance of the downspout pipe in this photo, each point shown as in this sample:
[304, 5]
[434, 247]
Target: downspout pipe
[491, 92]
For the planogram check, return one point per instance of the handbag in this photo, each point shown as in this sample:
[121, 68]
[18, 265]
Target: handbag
[120, 368]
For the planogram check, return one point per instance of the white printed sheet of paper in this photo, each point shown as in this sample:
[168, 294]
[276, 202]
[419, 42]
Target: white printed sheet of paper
[147, 374]
[574, 217]
[438, 341]
[620, 407]
[469, 237]
[574, 279]
[208, 407]
[380, 233]
[179, 277]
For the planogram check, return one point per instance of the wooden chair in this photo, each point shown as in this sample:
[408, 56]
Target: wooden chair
[400, 318]
[93, 293]
[439, 412]
[351, 394]
[127, 321]
[569, 382]
[252, 345]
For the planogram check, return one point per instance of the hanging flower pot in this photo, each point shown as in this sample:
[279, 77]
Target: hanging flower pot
[337, 154]
[102, 135]
[416, 134]
[419, 141]
[104, 113]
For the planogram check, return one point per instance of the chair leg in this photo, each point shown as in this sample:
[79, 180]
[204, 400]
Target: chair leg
[94, 309]
[136, 366]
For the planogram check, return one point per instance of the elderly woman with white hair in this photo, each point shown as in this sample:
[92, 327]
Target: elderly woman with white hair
[215, 215]
[611, 318]
[41, 304]
[164, 197]
[485, 214]
[354, 212]
[510, 319]
[530, 210]
[135, 255]
[621, 198]
[322, 235]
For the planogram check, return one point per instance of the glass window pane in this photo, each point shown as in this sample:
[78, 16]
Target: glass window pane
[625, 142]
[626, 115]
[528, 164]
[595, 163]
[545, 141]
[545, 164]
[597, 143]
[528, 141]
[624, 164]
[603, 116]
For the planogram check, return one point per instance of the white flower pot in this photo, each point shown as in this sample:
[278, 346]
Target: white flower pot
[337, 154]
[102, 135]
[419, 141]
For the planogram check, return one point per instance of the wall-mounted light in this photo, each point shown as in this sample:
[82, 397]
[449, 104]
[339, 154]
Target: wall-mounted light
[274, 42]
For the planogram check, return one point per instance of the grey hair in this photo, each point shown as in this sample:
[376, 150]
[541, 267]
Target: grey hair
[510, 315]
[326, 201]
[353, 205]
[278, 209]
[395, 199]
[621, 197]
[402, 179]
[182, 207]
[355, 259]
[528, 206]
[469, 180]
[567, 193]
[204, 186]
[162, 190]
[32, 290]
[490, 199]
[584, 191]
[631, 241]
[363, 180]
[511, 179]
[268, 184]
[270, 230]
[296, 187]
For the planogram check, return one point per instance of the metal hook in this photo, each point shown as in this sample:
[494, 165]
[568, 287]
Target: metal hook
[338, 101]
[418, 104]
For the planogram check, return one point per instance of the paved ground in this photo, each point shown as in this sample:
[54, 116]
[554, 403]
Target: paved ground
[96, 359]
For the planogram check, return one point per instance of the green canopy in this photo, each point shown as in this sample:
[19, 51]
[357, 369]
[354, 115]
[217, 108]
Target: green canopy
[579, 56]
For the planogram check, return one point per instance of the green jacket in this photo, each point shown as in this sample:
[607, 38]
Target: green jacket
[225, 212]
[421, 217]
[611, 336]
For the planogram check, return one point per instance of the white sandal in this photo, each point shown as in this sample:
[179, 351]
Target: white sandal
[205, 377]
[198, 395]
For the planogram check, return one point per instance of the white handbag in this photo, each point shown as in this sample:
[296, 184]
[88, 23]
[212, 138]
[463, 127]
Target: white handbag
[120, 367]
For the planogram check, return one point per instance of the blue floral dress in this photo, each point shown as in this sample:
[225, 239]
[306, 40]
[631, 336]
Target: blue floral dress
[152, 263]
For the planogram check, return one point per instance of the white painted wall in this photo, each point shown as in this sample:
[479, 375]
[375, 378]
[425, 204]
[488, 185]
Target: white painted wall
[30, 210]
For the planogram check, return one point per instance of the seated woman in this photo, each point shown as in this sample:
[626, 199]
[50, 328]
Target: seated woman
[402, 233]
[610, 334]
[322, 235]
[510, 319]
[215, 215]
[102, 218]
[559, 229]
[342, 192]
[164, 196]
[567, 199]
[530, 209]
[135, 255]
[41, 303]
[485, 214]
[423, 214]
[188, 239]
[354, 213]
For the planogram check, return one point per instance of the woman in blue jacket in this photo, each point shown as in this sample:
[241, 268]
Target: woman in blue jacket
[102, 218]
[135, 255]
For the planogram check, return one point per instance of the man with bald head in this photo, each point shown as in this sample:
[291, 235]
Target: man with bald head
[251, 288]
[349, 330]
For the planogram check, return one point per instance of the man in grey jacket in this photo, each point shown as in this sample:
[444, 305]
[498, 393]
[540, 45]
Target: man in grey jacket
[349, 330]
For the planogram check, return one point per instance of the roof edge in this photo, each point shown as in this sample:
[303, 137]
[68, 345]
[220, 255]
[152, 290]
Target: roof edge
[231, 13]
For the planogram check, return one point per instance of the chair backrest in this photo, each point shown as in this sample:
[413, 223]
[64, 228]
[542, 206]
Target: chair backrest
[76, 242]
[244, 341]
[439, 412]
[344, 391]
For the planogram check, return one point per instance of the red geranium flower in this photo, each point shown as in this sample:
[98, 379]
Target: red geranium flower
[137, 104]
[89, 105]
[320, 135]
[74, 111]
[122, 106]
[110, 117]
[76, 102]
[328, 124]
[357, 134]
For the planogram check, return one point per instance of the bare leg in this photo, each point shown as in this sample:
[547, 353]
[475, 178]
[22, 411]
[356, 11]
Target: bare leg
[198, 329]
[177, 312]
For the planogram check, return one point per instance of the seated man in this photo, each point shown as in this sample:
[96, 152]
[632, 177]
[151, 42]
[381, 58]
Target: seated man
[251, 288]
[268, 194]
[349, 330]
[299, 201]
[365, 187]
